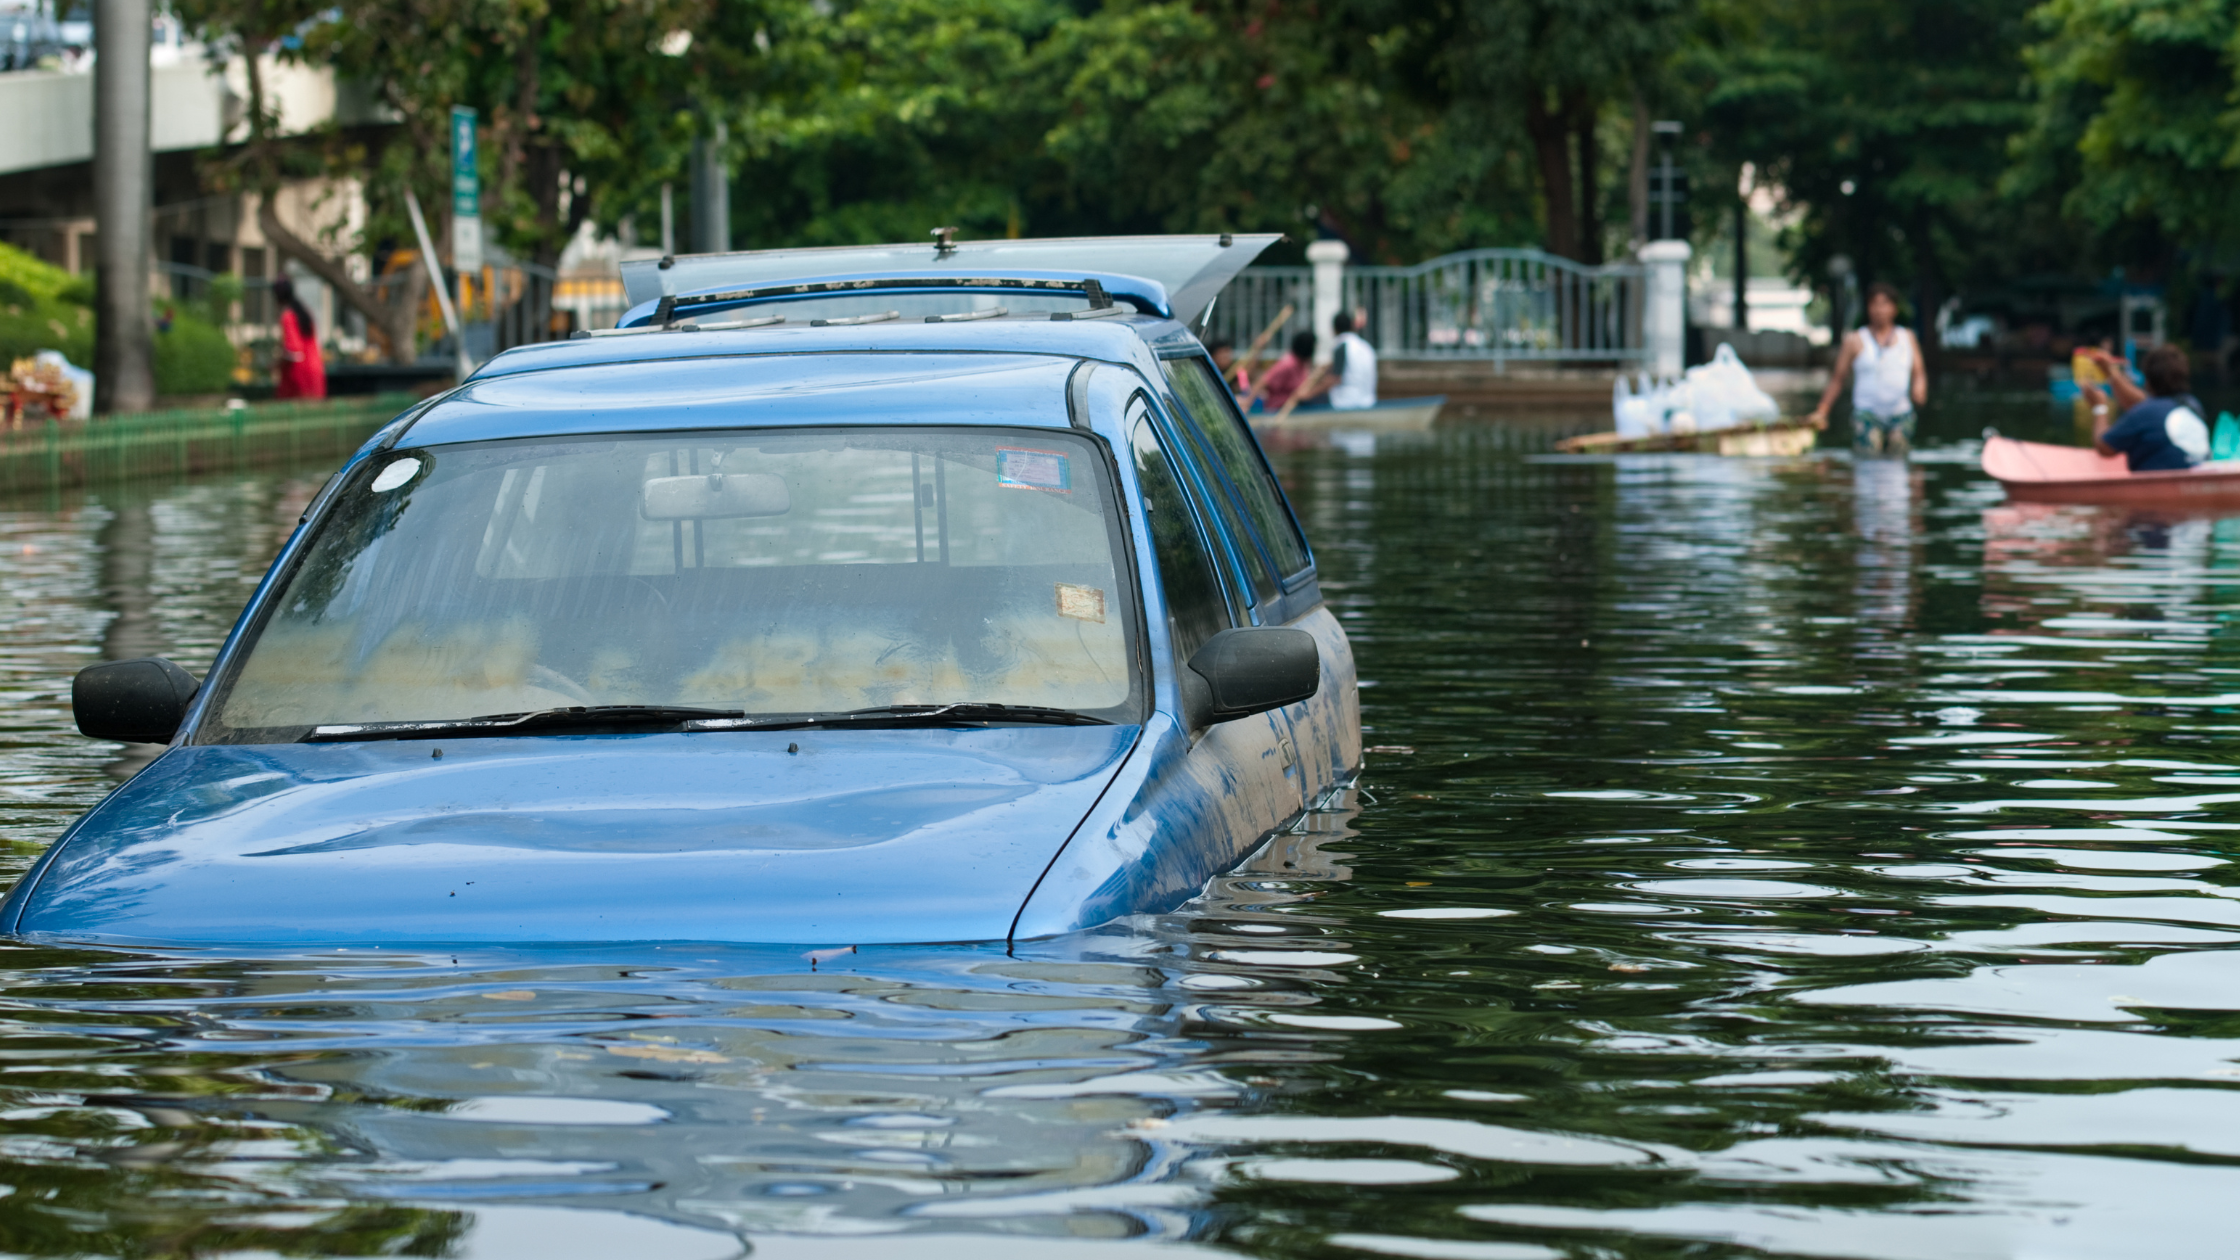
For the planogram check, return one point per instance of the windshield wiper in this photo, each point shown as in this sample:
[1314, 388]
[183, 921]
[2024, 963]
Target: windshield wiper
[907, 715]
[541, 720]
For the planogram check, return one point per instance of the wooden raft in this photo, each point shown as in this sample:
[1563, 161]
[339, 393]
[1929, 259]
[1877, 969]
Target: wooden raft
[1783, 437]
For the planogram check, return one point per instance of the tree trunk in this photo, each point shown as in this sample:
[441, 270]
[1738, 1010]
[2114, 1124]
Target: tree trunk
[1551, 144]
[1928, 292]
[515, 129]
[394, 321]
[1583, 111]
[1637, 174]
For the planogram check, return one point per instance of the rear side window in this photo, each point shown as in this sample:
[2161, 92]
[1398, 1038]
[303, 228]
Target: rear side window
[1196, 609]
[1209, 404]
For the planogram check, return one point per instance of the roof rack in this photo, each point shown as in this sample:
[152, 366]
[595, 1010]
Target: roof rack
[665, 312]
[1189, 269]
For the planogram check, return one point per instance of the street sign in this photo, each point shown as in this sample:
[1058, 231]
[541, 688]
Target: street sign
[466, 194]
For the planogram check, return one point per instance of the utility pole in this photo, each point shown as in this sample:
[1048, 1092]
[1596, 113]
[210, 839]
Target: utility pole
[711, 194]
[1742, 264]
[123, 198]
[668, 221]
[466, 222]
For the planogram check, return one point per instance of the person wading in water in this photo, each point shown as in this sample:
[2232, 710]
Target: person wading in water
[1887, 379]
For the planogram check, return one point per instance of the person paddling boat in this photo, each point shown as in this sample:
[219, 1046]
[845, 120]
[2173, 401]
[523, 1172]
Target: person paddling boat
[2158, 433]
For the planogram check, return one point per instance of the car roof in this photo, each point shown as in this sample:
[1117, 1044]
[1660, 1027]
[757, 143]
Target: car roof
[722, 381]
[1003, 370]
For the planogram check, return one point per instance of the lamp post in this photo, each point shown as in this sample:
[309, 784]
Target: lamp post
[123, 196]
[711, 193]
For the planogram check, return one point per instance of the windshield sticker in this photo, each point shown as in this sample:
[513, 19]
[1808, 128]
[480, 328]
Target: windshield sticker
[1082, 603]
[1024, 469]
[395, 475]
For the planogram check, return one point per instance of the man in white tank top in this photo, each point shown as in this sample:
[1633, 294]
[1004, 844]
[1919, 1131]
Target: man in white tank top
[1887, 379]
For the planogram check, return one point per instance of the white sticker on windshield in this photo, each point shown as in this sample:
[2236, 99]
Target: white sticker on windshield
[395, 475]
[1024, 469]
[1082, 603]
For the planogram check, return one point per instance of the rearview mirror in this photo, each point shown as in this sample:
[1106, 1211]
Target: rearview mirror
[1252, 669]
[707, 496]
[133, 702]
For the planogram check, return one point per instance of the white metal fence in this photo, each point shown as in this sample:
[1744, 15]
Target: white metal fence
[1488, 304]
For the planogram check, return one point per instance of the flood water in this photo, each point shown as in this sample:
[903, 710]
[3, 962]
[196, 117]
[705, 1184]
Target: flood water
[1757, 859]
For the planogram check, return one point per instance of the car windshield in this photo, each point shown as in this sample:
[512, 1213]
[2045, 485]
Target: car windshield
[775, 572]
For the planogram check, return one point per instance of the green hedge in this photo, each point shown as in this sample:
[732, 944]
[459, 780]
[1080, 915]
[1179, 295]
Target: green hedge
[43, 307]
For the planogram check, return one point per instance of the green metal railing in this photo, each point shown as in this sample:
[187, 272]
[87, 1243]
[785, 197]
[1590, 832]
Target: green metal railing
[45, 455]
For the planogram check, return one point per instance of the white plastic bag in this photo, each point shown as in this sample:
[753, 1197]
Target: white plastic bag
[79, 377]
[1725, 394]
[1633, 412]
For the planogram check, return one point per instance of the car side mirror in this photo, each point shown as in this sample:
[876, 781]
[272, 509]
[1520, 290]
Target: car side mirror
[132, 702]
[1252, 669]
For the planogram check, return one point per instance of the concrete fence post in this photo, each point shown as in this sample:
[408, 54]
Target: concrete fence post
[1664, 316]
[1329, 259]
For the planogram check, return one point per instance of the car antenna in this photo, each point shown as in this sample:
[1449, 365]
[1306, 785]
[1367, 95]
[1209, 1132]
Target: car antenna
[944, 241]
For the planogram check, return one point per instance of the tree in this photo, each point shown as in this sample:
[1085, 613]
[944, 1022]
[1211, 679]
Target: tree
[2135, 119]
[1556, 67]
[1885, 123]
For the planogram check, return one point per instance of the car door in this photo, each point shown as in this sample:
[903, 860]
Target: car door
[1241, 776]
[1326, 729]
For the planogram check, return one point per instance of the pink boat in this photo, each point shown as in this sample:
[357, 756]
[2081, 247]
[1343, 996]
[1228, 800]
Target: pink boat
[2034, 472]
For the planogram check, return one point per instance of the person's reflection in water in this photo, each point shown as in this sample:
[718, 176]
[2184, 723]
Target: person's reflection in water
[1884, 512]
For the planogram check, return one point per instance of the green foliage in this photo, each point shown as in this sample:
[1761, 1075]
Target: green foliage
[193, 357]
[1979, 139]
[2135, 119]
[41, 309]
[1908, 104]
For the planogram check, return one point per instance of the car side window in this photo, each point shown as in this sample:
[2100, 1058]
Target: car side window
[1209, 404]
[1196, 608]
[1249, 564]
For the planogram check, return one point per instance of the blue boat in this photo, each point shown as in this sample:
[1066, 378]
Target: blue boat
[839, 597]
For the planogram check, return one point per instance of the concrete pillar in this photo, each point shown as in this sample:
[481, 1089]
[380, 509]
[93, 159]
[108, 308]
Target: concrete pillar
[711, 194]
[1664, 313]
[1329, 260]
[123, 198]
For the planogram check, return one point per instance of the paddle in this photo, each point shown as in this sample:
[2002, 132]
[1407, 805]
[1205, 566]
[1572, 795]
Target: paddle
[1259, 343]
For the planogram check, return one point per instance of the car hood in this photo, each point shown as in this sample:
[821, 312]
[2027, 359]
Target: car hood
[854, 837]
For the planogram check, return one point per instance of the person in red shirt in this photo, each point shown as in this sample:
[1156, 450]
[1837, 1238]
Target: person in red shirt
[1291, 371]
[300, 371]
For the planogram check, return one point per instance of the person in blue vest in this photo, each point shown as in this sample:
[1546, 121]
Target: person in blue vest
[2160, 432]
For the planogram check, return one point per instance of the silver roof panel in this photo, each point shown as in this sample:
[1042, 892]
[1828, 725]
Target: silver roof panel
[1192, 269]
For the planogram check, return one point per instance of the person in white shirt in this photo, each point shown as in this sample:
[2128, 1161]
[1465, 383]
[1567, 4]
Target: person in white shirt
[1353, 364]
[1887, 379]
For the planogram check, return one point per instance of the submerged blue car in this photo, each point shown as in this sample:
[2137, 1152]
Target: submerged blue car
[840, 597]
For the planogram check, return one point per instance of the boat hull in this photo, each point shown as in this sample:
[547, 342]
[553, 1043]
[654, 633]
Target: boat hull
[2034, 472]
[1398, 415]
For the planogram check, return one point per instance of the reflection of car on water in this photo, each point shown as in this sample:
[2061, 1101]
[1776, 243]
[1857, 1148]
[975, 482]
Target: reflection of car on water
[842, 596]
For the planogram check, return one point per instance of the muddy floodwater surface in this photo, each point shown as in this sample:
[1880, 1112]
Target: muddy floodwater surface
[1798, 858]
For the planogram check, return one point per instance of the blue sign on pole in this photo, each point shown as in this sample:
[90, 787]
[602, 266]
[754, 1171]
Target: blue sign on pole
[466, 196]
[466, 182]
